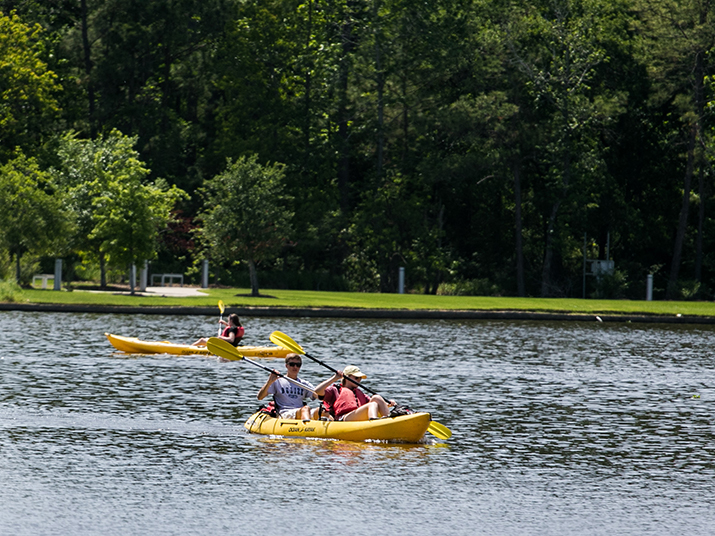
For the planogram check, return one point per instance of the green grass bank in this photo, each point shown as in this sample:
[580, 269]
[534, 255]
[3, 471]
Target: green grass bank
[277, 300]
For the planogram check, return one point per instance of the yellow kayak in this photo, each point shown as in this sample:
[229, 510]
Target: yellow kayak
[132, 345]
[405, 428]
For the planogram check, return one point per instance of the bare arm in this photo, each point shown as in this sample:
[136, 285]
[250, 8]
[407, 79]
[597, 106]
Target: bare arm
[320, 389]
[264, 390]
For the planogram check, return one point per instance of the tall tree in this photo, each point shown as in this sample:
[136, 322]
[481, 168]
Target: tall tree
[561, 70]
[28, 88]
[678, 38]
[119, 213]
[32, 218]
[246, 216]
[406, 64]
[144, 70]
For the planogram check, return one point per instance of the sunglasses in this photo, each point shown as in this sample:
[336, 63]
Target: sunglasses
[295, 365]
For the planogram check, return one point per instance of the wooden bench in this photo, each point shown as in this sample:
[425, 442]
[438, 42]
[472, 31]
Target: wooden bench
[169, 277]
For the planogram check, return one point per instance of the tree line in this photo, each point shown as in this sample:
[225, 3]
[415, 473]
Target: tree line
[486, 146]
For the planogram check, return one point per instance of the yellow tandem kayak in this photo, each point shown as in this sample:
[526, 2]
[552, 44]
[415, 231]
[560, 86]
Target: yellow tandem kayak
[132, 345]
[405, 428]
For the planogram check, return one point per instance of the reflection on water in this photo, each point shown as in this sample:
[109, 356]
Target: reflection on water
[579, 428]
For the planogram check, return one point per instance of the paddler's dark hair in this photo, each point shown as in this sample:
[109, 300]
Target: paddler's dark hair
[291, 356]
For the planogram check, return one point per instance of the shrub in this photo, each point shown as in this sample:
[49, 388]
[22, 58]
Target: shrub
[469, 287]
[689, 289]
[611, 286]
[10, 292]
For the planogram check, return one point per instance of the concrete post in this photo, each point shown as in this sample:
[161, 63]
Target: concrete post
[58, 274]
[205, 274]
[401, 281]
[649, 288]
[133, 276]
[143, 275]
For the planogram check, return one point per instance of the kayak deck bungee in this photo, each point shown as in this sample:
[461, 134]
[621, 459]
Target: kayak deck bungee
[405, 428]
[133, 345]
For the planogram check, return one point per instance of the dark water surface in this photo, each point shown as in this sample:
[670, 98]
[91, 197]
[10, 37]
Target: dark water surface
[559, 428]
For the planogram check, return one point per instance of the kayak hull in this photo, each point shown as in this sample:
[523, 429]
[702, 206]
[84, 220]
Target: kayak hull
[133, 345]
[406, 428]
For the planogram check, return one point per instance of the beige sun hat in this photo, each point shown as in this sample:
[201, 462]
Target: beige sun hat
[352, 370]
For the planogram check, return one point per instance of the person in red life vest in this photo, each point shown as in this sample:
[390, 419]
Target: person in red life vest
[346, 402]
[233, 332]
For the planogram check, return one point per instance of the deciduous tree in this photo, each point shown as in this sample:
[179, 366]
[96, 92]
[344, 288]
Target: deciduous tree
[32, 218]
[246, 215]
[119, 213]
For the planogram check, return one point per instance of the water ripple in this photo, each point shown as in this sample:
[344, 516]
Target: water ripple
[585, 428]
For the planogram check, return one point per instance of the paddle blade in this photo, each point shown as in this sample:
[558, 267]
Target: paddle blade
[221, 306]
[439, 430]
[283, 340]
[223, 349]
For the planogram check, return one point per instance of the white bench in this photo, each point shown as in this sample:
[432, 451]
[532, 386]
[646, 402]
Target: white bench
[170, 277]
[44, 278]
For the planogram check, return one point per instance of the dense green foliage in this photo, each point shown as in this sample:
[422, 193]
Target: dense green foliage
[10, 292]
[486, 146]
[27, 86]
[32, 219]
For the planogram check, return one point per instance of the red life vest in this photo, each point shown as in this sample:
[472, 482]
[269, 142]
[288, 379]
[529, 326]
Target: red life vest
[239, 333]
[348, 401]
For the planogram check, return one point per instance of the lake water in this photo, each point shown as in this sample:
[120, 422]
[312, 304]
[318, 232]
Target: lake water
[558, 428]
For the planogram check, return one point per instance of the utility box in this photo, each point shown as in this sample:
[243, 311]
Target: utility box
[599, 268]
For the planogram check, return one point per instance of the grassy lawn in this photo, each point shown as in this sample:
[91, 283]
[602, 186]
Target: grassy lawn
[301, 299]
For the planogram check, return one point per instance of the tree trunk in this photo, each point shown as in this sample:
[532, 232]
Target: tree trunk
[18, 272]
[683, 220]
[546, 281]
[88, 69]
[253, 276]
[102, 271]
[695, 135]
[132, 276]
[343, 118]
[549, 252]
[518, 235]
[380, 75]
[405, 122]
[701, 223]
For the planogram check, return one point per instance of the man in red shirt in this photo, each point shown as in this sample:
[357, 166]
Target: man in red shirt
[347, 402]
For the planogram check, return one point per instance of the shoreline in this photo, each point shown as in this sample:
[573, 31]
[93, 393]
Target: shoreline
[341, 312]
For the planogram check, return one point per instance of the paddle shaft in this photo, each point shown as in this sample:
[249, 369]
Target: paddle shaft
[335, 371]
[225, 349]
[291, 380]
[221, 309]
[298, 349]
[359, 384]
